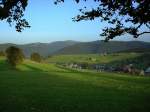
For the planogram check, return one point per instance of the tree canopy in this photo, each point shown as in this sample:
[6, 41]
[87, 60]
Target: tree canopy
[13, 11]
[14, 55]
[124, 16]
[36, 57]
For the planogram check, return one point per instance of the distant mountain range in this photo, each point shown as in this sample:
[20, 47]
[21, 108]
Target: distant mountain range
[74, 47]
[43, 49]
[104, 47]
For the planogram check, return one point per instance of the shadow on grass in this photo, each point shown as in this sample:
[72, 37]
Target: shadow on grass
[57, 92]
[33, 68]
[53, 88]
[4, 65]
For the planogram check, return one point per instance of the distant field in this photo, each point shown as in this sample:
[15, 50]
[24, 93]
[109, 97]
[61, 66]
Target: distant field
[139, 60]
[37, 87]
[92, 58]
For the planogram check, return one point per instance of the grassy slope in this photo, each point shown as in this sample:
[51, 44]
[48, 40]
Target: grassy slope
[99, 58]
[46, 88]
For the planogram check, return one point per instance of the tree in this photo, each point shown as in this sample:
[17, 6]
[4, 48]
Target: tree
[14, 55]
[36, 57]
[124, 16]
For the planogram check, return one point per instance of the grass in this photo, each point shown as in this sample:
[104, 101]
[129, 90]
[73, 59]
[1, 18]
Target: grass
[35, 87]
[96, 58]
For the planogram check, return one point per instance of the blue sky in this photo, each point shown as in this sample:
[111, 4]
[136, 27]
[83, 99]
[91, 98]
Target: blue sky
[51, 22]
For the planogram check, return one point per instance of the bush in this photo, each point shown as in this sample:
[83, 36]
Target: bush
[14, 55]
[36, 57]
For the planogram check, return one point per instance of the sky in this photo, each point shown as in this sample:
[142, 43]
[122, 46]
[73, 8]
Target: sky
[51, 22]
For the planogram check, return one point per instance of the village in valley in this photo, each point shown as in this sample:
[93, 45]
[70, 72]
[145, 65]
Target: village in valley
[132, 66]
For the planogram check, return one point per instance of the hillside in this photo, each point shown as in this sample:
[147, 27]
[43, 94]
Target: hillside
[40, 87]
[138, 60]
[43, 49]
[103, 47]
[73, 47]
[87, 58]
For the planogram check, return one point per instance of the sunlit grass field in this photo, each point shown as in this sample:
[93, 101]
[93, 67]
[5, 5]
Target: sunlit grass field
[39, 87]
[92, 58]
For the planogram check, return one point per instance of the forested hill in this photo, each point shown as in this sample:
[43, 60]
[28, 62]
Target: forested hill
[74, 47]
[105, 47]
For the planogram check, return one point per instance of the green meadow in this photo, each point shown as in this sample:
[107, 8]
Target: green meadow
[41, 87]
[92, 58]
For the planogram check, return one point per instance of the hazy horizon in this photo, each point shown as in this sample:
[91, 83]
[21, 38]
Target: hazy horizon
[70, 40]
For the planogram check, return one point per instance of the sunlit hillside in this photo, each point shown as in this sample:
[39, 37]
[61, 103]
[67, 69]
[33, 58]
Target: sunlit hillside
[41, 87]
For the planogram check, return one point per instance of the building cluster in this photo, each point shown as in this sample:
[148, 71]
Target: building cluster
[129, 68]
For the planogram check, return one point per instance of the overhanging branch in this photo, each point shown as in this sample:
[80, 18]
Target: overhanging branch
[142, 33]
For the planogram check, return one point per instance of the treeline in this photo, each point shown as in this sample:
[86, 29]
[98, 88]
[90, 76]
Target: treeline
[15, 56]
[140, 62]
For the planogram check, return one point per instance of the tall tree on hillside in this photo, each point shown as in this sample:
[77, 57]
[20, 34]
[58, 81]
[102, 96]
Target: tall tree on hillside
[124, 16]
[14, 56]
[36, 57]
